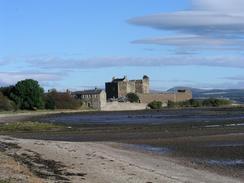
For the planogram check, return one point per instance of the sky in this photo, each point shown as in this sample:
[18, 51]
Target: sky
[80, 45]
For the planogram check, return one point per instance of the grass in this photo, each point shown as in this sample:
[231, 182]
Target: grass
[29, 127]
[5, 181]
[45, 111]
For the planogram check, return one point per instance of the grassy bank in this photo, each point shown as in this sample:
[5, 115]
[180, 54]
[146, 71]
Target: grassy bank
[30, 127]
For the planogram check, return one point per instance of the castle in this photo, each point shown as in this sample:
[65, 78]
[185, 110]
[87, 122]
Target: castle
[119, 87]
[122, 86]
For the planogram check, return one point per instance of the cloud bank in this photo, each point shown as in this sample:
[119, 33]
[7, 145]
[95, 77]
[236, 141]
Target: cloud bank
[206, 17]
[215, 23]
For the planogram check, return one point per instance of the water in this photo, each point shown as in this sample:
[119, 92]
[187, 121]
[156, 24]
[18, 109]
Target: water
[152, 149]
[139, 118]
[227, 144]
[225, 162]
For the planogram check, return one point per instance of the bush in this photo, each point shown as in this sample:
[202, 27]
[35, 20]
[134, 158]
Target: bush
[200, 103]
[155, 105]
[171, 104]
[132, 97]
[57, 100]
[215, 102]
[6, 104]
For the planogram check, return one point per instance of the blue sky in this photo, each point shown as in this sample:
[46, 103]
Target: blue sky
[81, 44]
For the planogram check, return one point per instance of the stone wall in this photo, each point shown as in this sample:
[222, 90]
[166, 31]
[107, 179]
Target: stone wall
[102, 99]
[122, 88]
[119, 106]
[138, 86]
[131, 87]
[165, 97]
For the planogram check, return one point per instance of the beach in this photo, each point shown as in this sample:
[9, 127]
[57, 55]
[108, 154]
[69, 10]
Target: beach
[93, 162]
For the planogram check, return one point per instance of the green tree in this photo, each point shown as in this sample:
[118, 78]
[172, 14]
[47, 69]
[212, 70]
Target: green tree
[58, 100]
[28, 94]
[132, 97]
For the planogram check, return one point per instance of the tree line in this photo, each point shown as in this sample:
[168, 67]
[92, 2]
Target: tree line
[29, 95]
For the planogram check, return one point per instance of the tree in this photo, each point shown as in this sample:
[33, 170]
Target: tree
[58, 100]
[28, 94]
[132, 97]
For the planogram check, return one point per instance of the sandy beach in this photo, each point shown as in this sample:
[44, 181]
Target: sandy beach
[97, 162]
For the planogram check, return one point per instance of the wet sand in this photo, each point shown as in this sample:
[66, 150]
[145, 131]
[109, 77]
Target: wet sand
[93, 162]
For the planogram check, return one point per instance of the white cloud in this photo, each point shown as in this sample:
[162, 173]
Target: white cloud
[196, 22]
[235, 78]
[192, 41]
[10, 78]
[219, 5]
[210, 22]
[105, 62]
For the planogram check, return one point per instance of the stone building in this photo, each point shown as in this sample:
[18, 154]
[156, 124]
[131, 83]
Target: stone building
[95, 99]
[120, 87]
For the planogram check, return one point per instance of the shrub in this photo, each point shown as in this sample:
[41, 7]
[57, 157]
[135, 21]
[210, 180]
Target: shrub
[155, 105]
[6, 91]
[132, 97]
[6, 104]
[57, 100]
[171, 104]
[215, 102]
[200, 103]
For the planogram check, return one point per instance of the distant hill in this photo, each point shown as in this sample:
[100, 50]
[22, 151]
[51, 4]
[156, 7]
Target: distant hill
[236, 95]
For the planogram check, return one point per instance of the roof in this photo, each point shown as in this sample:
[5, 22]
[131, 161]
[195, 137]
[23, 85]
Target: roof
[88, 92]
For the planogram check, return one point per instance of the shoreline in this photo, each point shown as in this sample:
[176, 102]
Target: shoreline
[94, 162]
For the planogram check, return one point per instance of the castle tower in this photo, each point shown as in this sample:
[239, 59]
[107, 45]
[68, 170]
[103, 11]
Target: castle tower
[145, 84]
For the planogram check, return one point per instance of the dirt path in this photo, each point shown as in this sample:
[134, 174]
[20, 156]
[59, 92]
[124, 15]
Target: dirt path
[102, 163]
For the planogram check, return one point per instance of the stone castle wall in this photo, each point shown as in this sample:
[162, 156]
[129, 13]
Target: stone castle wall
[120, 106]
[165, 97]
[122, 89]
